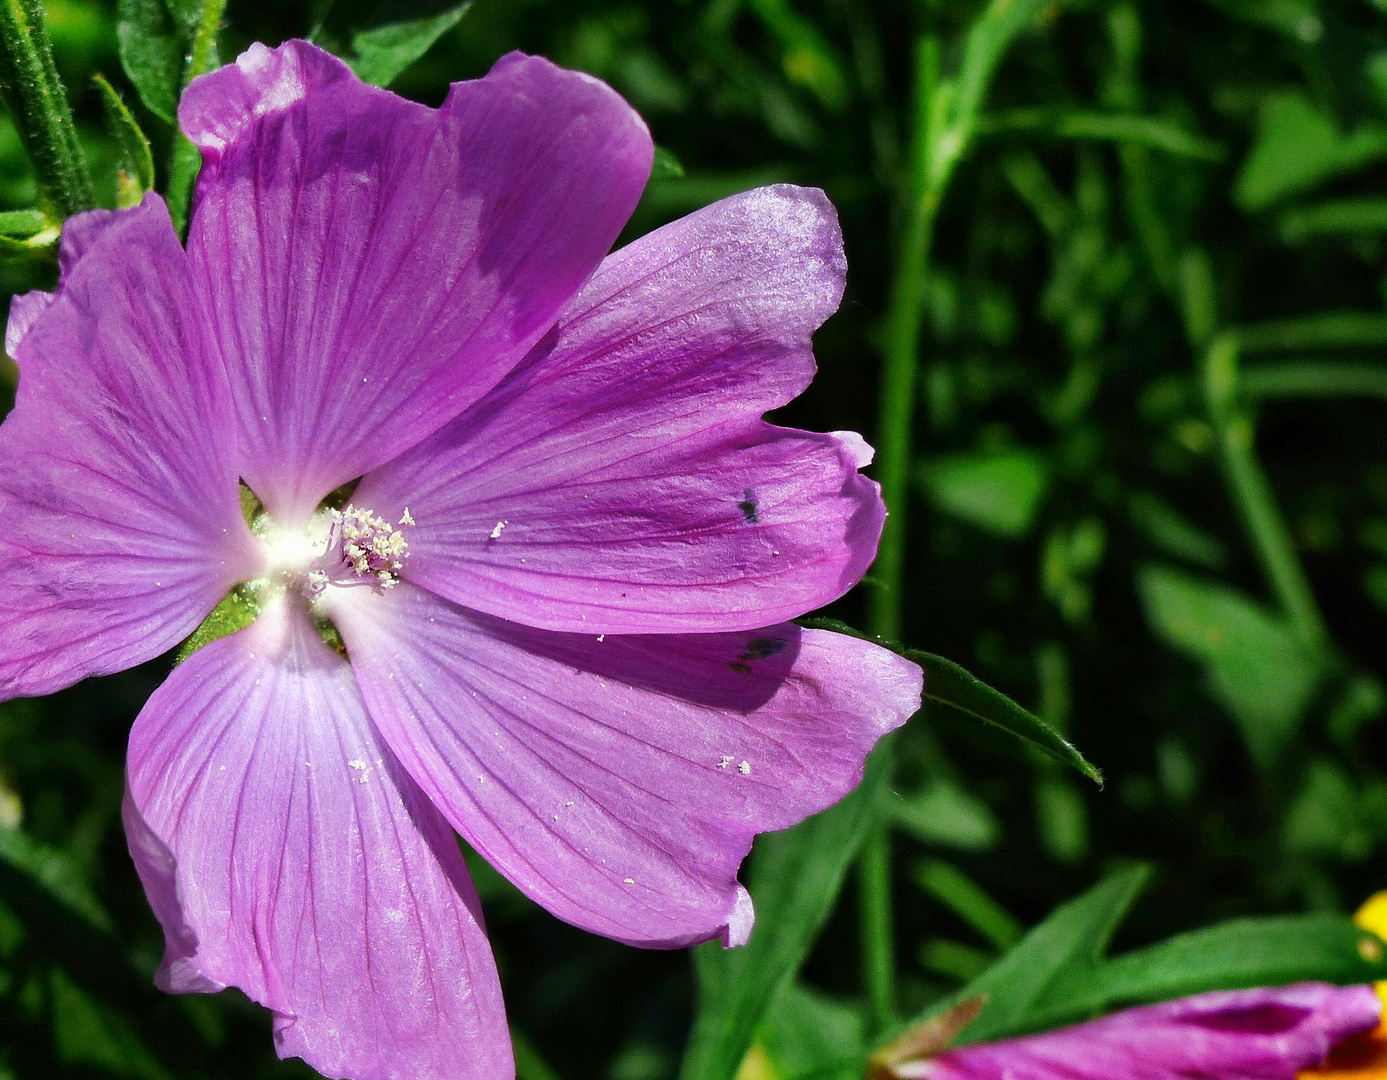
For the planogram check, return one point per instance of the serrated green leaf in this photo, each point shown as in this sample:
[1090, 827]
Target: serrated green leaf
[1000, 493]
[1256, 665]
[794, 879]
[1063, 947]
[136, 160]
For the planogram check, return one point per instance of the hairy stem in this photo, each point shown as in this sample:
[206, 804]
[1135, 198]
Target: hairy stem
[35, 97]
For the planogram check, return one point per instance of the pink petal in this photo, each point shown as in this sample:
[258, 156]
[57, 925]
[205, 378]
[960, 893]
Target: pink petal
[374, 266]
[118, 487]
[1265, 1034]
[619, 781]
[620, 478]
[287, 853]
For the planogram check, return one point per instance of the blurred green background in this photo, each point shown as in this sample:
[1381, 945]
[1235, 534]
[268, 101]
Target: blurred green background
[1148, 495]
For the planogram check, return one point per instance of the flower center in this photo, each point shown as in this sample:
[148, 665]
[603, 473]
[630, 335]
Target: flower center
[347, 547]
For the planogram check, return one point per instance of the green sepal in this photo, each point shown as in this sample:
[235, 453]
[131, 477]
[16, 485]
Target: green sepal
[136, 159]
[237, 610]
[22, 224]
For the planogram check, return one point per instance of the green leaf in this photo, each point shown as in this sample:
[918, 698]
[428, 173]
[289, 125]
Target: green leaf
[380, 44]
[1324, 820]
[969, 901]
[1058, 974]
[949, 684]
[807, 1033]
[134, 155]
[205, 18]
[1299, 147]
[808, 59]
[999, 493]
[1064, 946]
[1061, 819]
[55, 873]
[1298, 20]
[1237, 954]
[944, 814]
[665, 166]
[90, 1032]
[1334, 218]
[1171, 531]
[1256, 665]
[795, 877]
[155, 38]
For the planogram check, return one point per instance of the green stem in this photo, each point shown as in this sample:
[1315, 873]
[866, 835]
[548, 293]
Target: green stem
[894, 440]
[943, 120]
[878, 946]
[187, 161]
[35, 97]
[894, 451]
[1256, 503]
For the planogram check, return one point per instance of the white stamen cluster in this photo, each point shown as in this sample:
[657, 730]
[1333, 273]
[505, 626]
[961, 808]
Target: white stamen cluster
[370, 545]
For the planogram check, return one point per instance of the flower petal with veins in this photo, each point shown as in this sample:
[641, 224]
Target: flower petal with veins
[369, 266]
[287, 853]
[619, 782]
[620, 480]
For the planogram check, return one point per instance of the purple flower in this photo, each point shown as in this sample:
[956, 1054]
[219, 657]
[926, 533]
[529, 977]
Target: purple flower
[559, 585]
[1265, 1034]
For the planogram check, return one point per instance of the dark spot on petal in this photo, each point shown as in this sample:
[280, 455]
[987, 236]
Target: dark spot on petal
[1270, 1018]
[740, 668]
[763, 648]
[748, 506]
